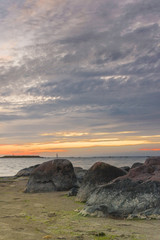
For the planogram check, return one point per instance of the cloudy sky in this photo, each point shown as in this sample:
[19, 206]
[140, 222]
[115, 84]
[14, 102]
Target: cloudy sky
[80, 77]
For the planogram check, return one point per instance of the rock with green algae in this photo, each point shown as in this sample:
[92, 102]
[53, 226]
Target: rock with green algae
[100, 173]
[135, 195]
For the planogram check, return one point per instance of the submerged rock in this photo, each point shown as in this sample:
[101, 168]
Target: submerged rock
[55, 175]
[99, 173]
[136, 194]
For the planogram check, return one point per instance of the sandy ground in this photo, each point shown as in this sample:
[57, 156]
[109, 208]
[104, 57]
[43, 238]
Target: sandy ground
[39, 216]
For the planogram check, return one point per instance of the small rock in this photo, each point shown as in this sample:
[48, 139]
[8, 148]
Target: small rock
[137, 164]
[73, 191]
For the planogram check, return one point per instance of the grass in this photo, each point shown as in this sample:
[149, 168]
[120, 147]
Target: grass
[55, 216]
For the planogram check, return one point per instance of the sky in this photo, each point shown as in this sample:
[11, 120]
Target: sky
[80, 78]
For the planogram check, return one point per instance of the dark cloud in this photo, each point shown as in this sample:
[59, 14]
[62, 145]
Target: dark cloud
[143, 8]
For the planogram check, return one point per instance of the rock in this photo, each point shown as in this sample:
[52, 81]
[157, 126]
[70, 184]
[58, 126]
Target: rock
[149, 171]
[99, 173]
[136, 164]
[136, 194]
[26, 171]
[73, 191]
[125, 168]
[80, 173]
[54, 175]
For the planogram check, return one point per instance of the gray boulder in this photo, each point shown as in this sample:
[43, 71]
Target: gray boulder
[80, 173]
[54, 175]
[136, 194]
[99, 173]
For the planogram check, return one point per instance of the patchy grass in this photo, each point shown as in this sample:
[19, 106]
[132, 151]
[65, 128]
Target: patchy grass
[55, 216]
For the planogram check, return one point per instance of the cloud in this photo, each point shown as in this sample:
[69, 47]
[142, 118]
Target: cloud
[79, 65]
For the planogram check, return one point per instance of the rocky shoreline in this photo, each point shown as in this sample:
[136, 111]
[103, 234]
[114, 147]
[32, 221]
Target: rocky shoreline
[108, 191]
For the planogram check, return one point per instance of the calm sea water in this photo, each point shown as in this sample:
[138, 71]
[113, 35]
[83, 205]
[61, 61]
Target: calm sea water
[10, 166]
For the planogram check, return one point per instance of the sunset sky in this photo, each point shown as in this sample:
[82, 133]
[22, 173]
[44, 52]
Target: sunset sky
[80, 77]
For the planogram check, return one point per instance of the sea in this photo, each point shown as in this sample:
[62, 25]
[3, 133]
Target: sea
[11, 165]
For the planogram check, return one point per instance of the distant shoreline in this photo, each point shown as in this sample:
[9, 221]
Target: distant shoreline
[23, 156]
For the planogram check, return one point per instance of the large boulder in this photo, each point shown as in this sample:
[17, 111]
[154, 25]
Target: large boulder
[136, 194]
[99, 173]
[54, 175]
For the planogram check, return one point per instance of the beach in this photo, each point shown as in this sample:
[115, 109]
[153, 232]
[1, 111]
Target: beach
[54, 215]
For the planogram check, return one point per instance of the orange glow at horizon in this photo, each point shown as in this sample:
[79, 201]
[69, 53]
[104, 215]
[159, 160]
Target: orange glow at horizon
[55, 147]
[150, 149]
[29, 152]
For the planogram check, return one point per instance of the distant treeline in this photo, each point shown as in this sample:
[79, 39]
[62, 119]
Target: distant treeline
[23, 156]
